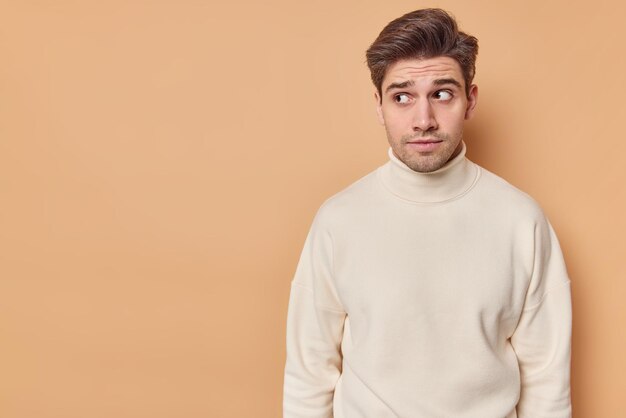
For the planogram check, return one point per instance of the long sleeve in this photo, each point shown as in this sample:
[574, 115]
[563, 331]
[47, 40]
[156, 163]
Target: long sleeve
[315, 323]
[542, 339]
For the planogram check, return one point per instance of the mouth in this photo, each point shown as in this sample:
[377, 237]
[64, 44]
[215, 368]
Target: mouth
[425, 141]
[425, 144]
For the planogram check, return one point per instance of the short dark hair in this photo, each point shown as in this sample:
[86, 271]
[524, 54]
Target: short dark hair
[424, 33]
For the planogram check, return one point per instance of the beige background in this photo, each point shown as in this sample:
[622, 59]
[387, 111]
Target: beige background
[161, 161]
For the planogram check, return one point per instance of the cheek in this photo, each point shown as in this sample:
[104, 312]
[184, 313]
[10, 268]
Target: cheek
[397, 121]
[451, 121]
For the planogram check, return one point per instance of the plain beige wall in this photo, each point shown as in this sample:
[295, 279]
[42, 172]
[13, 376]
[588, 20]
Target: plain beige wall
[161, 162]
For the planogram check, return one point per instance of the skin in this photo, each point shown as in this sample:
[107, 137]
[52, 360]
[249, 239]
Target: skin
[424, 99]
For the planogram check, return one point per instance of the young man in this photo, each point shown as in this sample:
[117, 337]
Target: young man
[429, 288]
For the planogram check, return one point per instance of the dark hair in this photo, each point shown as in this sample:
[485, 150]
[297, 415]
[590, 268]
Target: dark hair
[424, 33]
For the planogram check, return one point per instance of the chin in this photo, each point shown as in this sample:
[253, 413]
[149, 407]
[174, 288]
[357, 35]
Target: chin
[427, 163]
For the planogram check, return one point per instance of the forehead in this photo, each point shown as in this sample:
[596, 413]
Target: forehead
[427, 69]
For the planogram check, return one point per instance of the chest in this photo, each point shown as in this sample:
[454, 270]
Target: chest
[429, 267]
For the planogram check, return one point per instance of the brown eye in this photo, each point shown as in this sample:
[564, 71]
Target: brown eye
[401, 98]
[443, 95]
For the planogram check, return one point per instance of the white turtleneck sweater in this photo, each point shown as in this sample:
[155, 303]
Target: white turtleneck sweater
[429, 295]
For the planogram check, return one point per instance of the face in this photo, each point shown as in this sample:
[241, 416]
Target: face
[423, 108]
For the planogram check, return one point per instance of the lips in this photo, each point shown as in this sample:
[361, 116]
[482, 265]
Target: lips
[425, 141]
[425, 145]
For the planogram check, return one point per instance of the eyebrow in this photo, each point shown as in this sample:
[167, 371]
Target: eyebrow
[410, 83]
[400, 85]
[443, 81]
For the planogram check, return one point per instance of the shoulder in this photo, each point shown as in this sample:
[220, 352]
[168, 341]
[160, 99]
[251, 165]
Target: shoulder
[347, 202]
[498, 193]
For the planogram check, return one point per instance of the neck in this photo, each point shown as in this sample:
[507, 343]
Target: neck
[449, 182]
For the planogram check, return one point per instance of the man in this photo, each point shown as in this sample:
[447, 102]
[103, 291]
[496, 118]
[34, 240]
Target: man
[429, 288]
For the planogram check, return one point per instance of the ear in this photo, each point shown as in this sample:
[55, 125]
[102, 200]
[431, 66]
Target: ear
[472, 100]
[379, 107]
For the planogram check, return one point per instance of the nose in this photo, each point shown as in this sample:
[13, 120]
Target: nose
[424, 117]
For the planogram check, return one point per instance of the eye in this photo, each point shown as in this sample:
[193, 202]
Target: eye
[443, 95]
[401, 98]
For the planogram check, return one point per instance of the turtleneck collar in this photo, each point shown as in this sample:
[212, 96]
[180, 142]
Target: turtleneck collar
[452, 180]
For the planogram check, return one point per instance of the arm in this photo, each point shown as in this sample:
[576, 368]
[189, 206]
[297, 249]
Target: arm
[314, 331]
[542, 338]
